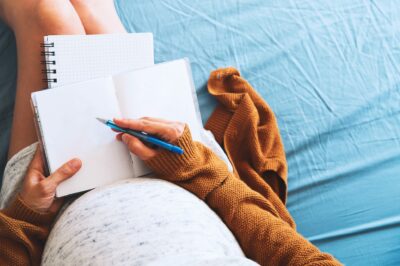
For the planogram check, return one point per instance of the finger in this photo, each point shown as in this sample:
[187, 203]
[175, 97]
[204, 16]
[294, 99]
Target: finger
[155, 119]
[37, 161]
[64, 172]
[138, 148]
[147, 126]
[119, 136]
[175, 128]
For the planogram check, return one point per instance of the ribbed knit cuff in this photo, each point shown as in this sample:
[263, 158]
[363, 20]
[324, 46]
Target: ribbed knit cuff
[20, 211]
[168, 163]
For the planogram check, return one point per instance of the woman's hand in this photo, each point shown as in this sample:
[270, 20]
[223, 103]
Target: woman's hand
[38, 192]
[166, 130]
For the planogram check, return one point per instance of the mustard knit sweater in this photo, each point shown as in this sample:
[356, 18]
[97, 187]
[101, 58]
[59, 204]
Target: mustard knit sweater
[251, 201]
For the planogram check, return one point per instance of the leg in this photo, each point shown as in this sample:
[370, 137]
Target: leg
[98, 16]
[30, 21]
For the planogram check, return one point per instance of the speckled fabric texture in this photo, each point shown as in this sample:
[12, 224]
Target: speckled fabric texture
[141, 221]
[14, 174]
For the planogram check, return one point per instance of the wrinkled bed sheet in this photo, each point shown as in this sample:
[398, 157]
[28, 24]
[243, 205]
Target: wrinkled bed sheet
[330, 71]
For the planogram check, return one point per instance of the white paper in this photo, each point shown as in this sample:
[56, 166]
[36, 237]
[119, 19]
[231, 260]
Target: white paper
[161, 91]
[68, 120]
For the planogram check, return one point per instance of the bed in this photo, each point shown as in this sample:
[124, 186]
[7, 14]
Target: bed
[330, 70]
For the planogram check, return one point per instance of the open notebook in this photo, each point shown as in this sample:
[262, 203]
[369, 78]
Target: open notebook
[68, 126]
[74, 58]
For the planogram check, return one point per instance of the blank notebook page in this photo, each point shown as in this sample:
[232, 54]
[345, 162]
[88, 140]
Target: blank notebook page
[164, 91]
[70, 129]
[83, 57]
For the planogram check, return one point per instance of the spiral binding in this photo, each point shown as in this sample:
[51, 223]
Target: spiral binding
[44, 44]
[48, 62]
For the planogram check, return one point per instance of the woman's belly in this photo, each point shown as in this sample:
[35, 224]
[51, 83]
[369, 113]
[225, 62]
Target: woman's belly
[141, 222]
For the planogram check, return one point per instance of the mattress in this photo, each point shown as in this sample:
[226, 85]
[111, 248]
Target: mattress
[330, 71]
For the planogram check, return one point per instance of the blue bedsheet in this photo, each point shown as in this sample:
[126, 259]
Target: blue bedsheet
[330, 71]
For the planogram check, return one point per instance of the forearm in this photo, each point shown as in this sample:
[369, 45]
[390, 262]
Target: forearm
[23, 233]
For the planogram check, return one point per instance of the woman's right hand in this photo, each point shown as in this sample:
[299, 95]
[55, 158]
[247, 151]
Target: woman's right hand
[167, 130]
[198, 170]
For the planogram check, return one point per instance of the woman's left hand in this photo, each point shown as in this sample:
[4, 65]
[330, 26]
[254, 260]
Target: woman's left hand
[38, 192]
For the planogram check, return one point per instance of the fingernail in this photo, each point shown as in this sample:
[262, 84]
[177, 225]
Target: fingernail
[75, 163]
[124, 138]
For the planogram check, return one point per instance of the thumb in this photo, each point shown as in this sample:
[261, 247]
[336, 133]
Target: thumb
[66, 171]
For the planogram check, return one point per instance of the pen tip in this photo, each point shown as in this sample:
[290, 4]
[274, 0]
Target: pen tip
[101, 120]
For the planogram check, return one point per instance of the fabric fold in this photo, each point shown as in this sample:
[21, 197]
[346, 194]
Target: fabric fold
[243, 119]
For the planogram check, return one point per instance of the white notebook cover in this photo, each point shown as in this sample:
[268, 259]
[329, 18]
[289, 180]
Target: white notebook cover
[74, 58]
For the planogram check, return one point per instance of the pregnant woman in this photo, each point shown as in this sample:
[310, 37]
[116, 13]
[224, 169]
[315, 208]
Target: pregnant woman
[159, 220]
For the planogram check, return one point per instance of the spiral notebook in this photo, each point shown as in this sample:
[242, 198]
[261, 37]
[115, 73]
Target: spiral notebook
[68, 127]
[74, 58]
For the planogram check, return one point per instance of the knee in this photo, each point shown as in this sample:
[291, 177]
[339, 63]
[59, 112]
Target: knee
[49, 12]
[56, 16]
[78, 2]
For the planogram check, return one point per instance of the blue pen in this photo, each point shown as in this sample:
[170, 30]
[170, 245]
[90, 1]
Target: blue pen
[143, 136]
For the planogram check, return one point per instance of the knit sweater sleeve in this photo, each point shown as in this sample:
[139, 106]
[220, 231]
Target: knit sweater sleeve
[263, 236]
[23, 233]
